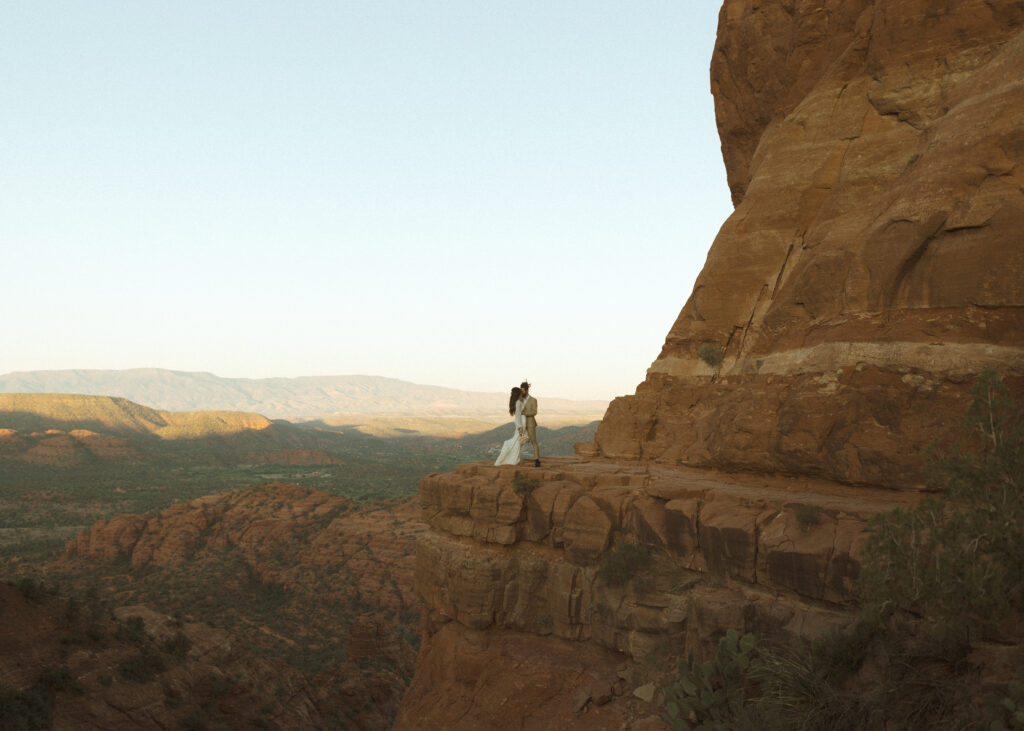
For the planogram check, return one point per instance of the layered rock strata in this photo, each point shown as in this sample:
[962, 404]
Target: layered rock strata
[520, 551]
[873, 265]
[872, 269]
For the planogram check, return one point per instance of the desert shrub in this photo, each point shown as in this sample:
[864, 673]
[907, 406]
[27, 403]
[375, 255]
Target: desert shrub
[619, 565]
[142, 667]
[749, 685]
[525, 485]
[410, 636]
[133, 630]
[1006, 711]
[916, 683]
[83, 620]
[177, 646]
[958, 559]
[807, 516]
[711, 353]
[713, 695]
[58, 679]
[25, 710]
[33, 590]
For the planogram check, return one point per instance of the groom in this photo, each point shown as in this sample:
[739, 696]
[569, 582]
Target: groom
[530, 412]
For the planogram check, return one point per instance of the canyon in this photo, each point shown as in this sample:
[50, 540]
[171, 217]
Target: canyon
[273, 607]
[871, 271]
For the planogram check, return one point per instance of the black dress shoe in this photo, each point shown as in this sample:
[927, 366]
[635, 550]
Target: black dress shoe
[536, 463]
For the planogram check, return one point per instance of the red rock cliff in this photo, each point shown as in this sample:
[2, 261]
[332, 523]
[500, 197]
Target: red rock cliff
[873, 266]
[874, 263]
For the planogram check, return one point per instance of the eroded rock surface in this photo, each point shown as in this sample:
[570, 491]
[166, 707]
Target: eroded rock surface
[873, 264]
[514, 558]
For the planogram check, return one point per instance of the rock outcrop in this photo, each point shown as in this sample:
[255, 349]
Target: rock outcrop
[873, 265]
[872, 268]
[516, 558]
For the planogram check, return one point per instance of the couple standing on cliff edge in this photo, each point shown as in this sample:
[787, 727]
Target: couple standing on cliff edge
[523, 408]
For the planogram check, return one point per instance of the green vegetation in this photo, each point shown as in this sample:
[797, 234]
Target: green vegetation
[807, 516]
[27, 710]
[914, 683]
[133, 630]
[525, 485]
[35, 591]
[42, 506]
[1006, 712]
[142, 667]
[712, 695]
[958, 559]
[935, 577]
[621, 564]
[711, 353]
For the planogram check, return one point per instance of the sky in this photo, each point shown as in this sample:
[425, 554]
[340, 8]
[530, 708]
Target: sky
[449, 192]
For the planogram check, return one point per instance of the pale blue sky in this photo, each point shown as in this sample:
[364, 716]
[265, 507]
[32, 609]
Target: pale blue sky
[459, 193]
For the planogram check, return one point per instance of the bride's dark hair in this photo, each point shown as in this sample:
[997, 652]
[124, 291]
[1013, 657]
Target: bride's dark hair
[512, 400]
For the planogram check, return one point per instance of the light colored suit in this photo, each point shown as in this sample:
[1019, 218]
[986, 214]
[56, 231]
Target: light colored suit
[530, 412]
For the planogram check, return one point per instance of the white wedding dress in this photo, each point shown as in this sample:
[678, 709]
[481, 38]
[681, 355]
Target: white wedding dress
[511, 449]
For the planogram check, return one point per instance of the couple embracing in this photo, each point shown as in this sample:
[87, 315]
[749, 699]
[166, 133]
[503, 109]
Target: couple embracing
[523, 408]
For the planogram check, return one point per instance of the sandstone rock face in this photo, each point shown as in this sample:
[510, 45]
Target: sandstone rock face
[873, 264]
[513, 559]
[472, 679]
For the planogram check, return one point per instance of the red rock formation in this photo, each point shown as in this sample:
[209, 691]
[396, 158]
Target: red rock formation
[10, 441]
[510, 564]
[872, 266]
[53, 449]
[57, 448]
[471, 679]
[105, 446]
[334, 573]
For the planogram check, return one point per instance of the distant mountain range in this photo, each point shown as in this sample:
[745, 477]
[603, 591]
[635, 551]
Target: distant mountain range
[281, 398]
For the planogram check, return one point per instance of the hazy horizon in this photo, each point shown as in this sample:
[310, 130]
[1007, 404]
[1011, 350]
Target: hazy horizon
[303, 398]
[452, 194]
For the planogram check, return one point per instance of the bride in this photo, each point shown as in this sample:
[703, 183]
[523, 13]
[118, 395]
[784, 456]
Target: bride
[511, 448]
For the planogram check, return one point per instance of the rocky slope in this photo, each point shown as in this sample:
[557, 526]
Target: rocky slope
[317, 584]
[872, 265]
[78, 665]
